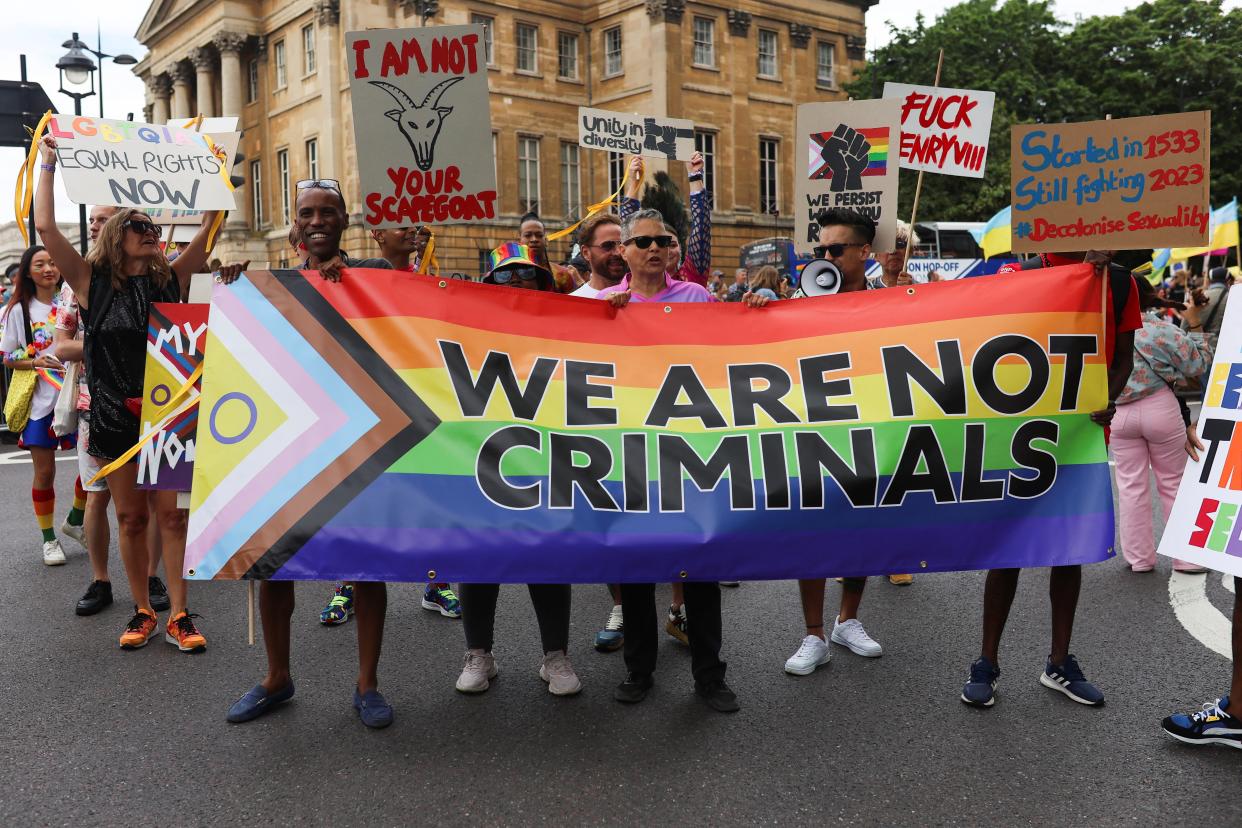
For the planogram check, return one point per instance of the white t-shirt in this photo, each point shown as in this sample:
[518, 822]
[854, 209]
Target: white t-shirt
[14, 337]
[586, 291]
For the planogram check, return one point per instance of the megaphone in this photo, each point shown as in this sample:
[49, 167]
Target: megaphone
[820, 277]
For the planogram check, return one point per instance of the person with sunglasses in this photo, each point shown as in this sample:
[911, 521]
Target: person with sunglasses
[398, 245]
[599, 237]
[892, 263]
[697, 263]
[115, 284]
[320, 219]
[845, 238]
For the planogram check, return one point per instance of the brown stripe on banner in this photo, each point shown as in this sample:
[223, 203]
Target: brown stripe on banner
[391, 421]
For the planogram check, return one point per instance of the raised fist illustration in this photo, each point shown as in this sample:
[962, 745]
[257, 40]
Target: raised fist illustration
[846, 154]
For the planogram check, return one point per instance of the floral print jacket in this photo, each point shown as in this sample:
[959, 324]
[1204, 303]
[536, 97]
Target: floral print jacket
[1164, 354]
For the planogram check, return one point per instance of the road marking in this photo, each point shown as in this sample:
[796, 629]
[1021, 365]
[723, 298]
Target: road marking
[1200, 617]
[23, 456]
[1226, 581]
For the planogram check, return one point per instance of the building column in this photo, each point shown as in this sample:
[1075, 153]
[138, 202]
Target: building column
[329, 49]
[161, 91]
[205, 79]
[182, 73]
[230, 45]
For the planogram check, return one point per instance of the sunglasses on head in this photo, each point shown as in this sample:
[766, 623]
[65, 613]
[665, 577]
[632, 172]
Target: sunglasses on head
[320, 184]
[644, 242]
[834, 250]
[142, 227]
[526, 274]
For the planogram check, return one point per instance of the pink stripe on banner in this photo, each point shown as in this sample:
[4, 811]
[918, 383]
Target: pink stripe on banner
[312, 395]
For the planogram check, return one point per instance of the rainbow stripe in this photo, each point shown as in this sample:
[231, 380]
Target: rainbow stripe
[339, 447]
[878, 140]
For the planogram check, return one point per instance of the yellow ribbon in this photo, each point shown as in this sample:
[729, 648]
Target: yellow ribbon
[596, 207]
[428, 262]
[162, 418]
[23, 195]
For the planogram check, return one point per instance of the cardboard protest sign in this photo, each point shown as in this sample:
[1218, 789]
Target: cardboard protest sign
[1121, 184]
[140, 165]
[851, 162]
[1205, 525]
[422, 125]
[223, 132]
[176, 337]
[943, 130]
[669, 138]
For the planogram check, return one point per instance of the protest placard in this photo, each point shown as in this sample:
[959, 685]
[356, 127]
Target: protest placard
[1205, 525]
[1120, 184]
[176, 337]
[943, 130]
[851, 161]
[223, 132]
[144, 166]
[422, 125]
[654, 137]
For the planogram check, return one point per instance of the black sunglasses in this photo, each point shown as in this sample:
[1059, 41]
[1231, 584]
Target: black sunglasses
[526, 274]
[643, 242]
[142, 227]
[834, 250]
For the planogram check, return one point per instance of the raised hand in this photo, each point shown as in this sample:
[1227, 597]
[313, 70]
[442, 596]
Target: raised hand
[846, 154]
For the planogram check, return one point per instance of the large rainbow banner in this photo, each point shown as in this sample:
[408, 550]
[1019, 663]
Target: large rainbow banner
[399, 428]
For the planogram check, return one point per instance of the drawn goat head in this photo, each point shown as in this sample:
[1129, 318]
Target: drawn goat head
[420, 123]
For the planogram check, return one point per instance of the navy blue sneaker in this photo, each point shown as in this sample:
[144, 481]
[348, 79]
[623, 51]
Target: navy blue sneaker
[257, 702]
[1067, 678]
[373, 708]
[612, 636]
[1210, 726]
[980, 689]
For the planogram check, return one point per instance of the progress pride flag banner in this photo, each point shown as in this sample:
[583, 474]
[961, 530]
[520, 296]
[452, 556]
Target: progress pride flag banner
[943, 130]
[422, 125]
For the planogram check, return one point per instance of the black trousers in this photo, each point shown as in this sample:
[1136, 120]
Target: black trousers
[478, 614]
[703, 626]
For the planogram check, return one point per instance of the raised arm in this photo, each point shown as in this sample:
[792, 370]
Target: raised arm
[194, 258]
[629, 199]
[698, 260]
[70, 263]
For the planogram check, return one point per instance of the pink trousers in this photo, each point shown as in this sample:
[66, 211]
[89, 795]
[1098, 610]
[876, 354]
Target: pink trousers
[1148, 435]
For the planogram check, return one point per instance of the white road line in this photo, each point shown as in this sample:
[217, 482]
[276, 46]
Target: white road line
[23, 456]
[1210, 626]
[1227, 581]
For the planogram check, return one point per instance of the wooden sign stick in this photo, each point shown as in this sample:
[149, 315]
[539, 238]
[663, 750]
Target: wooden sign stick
[918, 187]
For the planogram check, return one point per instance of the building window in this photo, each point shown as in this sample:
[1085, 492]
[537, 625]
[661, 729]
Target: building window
[256, 194]
[768, 194]
[528, 174]
[312, 158]
[278, 58]
[527, 48]
[485, 261]
[705, 42]
[252, 84]
[487, 23]
[567, 55]
[825, 74]
[571, 186]
[613, 62]
[767, 53]
[308, 49]
[616, 171]
[705, 142]
[282, 169]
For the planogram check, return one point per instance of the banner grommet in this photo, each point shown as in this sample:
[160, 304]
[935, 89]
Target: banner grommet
[923, 564]
[443, 283]
[431, 574]
[909, 291]
[668, 308]
[682, 574]
[190, 572]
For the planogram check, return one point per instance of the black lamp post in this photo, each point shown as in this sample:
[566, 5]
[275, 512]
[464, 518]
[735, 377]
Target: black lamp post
[77, 72]
[120, 60]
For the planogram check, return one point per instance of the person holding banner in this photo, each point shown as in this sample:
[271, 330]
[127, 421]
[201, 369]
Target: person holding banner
[533, 235]
[1061, 670]
[697, 263]
[115, 285]
[29, 321]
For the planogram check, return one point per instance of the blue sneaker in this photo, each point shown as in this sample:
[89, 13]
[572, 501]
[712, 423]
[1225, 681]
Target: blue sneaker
[340, 609]
[612, 636]
[980, 689]
[1210, 726]
[440, 598]
[258, 702]
[1067, 678]
[373, 708]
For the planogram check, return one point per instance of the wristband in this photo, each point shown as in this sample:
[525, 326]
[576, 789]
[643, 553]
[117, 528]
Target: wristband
[696, 176]
[48, 167]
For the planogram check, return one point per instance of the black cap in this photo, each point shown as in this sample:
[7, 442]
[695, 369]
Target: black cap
[1218, 274]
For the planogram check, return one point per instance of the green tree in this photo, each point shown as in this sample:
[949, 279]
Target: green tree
[666, 197]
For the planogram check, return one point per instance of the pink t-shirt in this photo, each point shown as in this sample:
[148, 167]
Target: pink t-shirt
[674, 291]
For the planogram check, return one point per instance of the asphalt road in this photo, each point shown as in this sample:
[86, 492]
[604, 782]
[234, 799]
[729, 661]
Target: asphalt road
[93, 735]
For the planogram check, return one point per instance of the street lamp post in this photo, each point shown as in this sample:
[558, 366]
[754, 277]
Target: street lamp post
[120, 60]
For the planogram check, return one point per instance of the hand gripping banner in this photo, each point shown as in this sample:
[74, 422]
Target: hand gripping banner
[398, 428]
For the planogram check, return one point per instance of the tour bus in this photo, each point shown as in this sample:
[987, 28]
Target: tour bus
[950, 248]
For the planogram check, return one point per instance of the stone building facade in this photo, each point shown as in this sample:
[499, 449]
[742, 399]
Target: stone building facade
[737, 68]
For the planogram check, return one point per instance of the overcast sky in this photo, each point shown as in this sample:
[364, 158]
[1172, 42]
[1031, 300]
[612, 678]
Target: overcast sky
[32, 29]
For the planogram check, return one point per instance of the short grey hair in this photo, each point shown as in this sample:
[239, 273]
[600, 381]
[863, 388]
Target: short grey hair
[627, 229]
[906, 233]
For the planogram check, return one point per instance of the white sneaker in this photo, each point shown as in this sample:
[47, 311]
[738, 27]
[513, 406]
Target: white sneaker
[851, 634]
[53, 555]
[477, 672]
[813, 652]
[559, 674]
[78, 533]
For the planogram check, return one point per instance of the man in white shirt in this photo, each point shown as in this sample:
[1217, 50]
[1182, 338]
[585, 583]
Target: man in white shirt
[600, 240]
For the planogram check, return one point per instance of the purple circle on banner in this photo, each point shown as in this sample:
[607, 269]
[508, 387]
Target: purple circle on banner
[159, 390]
[245, 432]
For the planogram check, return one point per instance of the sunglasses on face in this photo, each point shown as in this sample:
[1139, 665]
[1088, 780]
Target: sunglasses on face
[320, 184]
[644, 242]
[142, 227]
[526, 274]
[607, 246]
[834, 250]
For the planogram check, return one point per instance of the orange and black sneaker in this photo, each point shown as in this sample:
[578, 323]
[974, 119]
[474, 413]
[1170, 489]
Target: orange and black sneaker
[140, 629]
[182, 632]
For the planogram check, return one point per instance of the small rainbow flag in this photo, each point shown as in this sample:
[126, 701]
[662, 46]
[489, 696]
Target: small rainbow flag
[876, 137]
